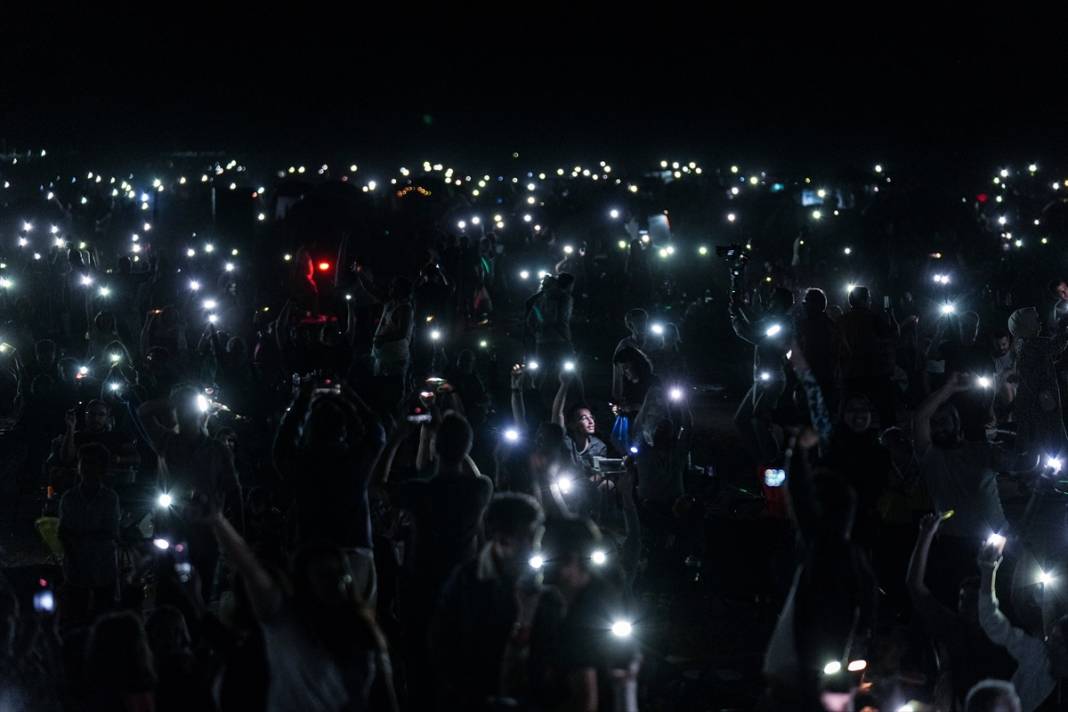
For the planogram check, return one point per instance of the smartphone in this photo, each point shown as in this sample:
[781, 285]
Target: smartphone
[327, 386]
[774, 477]
[886, 302]
[419, 412]
[44, 601]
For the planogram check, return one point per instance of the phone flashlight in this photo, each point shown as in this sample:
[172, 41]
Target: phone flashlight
[164, 501]
[996, 540]
[532, 365]
[598, 557]
[657, 328]
[774, 477]
[565, 484]
[947, 309]
[203, 404]
[511, 435]
[1054, 463]
[983, 382]
[209, 304]
[536, 561]
[569, 366]
[675, 394]
[114, 387]
[435, 335]
[44, 601]
[622, 628]
[161, 544]
[773, 330]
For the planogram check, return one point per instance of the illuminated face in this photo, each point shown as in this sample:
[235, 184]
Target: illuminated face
[584, 421]
[1062, 291]
[1001, 346]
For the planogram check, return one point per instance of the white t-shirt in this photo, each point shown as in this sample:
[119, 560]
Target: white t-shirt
[304, 676]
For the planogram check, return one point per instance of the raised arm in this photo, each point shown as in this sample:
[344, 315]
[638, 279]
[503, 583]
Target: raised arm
[519, 406]
[922, 420]
[263, 593]
[560, 400]
[922, 599]
[994, 623]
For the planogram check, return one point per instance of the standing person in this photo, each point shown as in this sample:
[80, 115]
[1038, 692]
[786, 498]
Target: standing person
[637, 323]
[191, 463]
[89, 531]
[820, 340]
[325, 450]
[642, 406]
[1005, 382]
[485, 608]
[770, 336]
[865, 370]
[1037, 410]
[961, 476]
[1041, 663]
[391, 347]
[446, 512]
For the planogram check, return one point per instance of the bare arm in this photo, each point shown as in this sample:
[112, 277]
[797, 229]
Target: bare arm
[560, 400]
[922, 598]
[922, 420]
[263, 593]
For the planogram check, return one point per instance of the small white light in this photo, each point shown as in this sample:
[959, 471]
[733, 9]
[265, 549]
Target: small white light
[524, 274]
[614, 214]
[23, 242]
[622, 629]
[996, 539]
[568, 249]
[462, 224]
[476, 220]
[765, 376]
[731, 217]
[54, 229]
[569, 366]
[532, 365]
[287, 257]
[86, 280]
[194, 285]
[114, 387]
[27, 227]
[114, 358]
[536, 561]
[527, 218]
[878, 168]
[213, 319]
[511, 435]
[203, 404]
[1002, 220]
[1004, 173]
[190, 252]
[598, 557]
[675, 394]
[1045, 578]
[565, 484]
[161, 544]
[209, 248]
[773, 330]
[657, 328]
[435, 335]
[832, 668]
[229, 266]
[816, 214]
[948, 309]
[984, 382]
[1054, 463]
[857, 665]
[209, 304]
[106, 291]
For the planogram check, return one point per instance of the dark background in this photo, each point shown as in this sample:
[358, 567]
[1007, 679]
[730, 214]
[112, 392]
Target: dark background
[946, 95]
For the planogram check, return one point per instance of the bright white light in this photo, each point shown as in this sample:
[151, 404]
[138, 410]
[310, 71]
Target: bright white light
[675, 394]
[542, 274]
[106, 291]
[194, 285]
[476, 220]
[857, 665]
[524, 274]
[614, 214]
[213, 319]
[832, 668]
[532, 366]
[731, 217]
[565, 484]
[114, 386]
[53, 229]
[568, 249]
[23, 242]
[633, 449]
[161, 544]
[536, 561]
[598, 557]
[136, 249]
[190, 252]
[657, 328]
[878, 168]
[209, 304]
[816, 214]
[511, 435]
[765, 376]
[984, 382]
[1054, 463]
[1004, 173]
[86, 280]
[435, 335]
[27, 227]
[1032, 168]
[203, 404]
[622, 629]
[114, 358]
[773, 330]
[1045, 578]
[1002, 220]
[462, 224]
[527, 218]
[996, 540]
[209, 248]
[948, 309]
[847, 251]
[229, 267]
[569, 366]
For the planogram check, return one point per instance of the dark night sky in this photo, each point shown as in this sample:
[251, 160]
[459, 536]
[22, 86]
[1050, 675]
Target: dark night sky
[957, 98]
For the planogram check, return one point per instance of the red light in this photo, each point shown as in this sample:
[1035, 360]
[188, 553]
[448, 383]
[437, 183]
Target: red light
[43, 583]
[982, 197]
[324, 266]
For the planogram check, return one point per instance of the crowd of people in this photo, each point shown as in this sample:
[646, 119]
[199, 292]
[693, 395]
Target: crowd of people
[347, 480]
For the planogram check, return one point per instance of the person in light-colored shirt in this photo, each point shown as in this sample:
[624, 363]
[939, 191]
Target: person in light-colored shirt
[1040, 663]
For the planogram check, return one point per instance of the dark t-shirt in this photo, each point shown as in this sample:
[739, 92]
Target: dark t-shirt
[447, 513]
